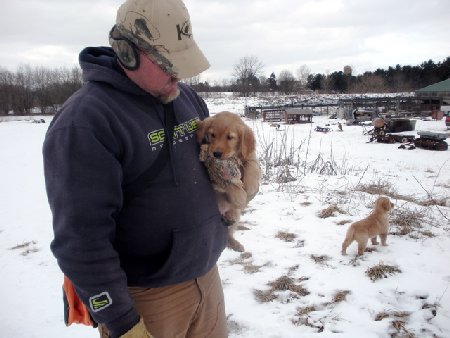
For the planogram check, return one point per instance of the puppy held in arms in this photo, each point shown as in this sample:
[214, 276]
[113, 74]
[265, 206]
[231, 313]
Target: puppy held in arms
[376, 224]
[228, 150]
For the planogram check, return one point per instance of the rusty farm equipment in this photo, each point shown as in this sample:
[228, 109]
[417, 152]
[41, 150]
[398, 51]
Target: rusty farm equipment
[431, 140]
[426, 140]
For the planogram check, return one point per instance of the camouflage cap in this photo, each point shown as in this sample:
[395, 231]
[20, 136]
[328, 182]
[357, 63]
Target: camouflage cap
[162, 29]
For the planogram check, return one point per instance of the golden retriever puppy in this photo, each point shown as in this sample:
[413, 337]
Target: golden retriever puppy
[376, 224]
[228, 138]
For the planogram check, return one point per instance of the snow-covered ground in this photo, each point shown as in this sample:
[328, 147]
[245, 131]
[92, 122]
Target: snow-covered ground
[292, 280]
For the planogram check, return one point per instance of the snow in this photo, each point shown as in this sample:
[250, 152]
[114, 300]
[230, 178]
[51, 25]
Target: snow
[281, 231]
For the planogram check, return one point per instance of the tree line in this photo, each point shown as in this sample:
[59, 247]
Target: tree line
[43, 90]
[36, 89]
[394, 79]
[248, 79]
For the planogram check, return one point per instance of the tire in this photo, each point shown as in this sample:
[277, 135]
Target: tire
[442, 146]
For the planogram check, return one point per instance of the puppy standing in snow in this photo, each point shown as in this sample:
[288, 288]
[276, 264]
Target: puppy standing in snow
[376, 224]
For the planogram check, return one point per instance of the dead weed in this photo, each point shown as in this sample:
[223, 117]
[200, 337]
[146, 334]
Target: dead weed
[377, 188]
[381, 270]
[244, 259]
[286, 236]
[385, 188]
[27, 247]
[398, 323]
[330, 211]
[406, 222]
[283, 283]
[344, 222]
[320, 259]
[264, 296]
[340, 296]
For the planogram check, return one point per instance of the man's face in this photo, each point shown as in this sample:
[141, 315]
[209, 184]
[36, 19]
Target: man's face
[151, 78]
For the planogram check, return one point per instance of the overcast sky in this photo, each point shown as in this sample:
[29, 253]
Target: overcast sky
[324, 35]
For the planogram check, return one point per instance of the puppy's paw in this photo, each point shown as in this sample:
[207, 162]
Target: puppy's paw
[233, 244]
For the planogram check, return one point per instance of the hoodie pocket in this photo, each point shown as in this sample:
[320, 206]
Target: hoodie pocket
[194, 251]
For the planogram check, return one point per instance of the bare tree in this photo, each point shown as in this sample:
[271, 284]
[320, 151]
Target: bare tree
[246, 73]
[43, 79]
[6, 90]
[370, 83]
[193, 81]
[286, 81]
[302, 75]
[23, 98]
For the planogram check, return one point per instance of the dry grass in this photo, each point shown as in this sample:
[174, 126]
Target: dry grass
[299, 290]
[251, 268]
[293, 268]
[244, 259]
[406, 222]
[26, 247]
[340, 296]
[302, 316]
[235, 327]
[382, 315]
[330, 211]
[264, 296]
[306, 310]
[281, 284]
[286, 236]
[377, 188]
[284, 176]
[246, 255]
[286, 283]
[344, 222]
[381, 271]
[23, 245]
[319, 259]
[441, 202]
[398, 323]
[385, 188]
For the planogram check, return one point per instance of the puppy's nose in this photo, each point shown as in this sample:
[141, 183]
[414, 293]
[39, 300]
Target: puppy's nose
[217, 154]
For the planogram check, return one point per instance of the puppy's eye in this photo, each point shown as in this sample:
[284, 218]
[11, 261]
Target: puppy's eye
[212, 135]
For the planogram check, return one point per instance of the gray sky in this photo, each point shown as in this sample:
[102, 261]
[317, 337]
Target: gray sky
[324, 35]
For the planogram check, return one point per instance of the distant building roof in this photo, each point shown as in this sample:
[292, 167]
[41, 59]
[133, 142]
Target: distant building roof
[301, 111]
[443, 86]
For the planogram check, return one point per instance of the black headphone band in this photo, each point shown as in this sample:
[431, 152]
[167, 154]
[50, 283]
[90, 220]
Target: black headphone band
[126, 51]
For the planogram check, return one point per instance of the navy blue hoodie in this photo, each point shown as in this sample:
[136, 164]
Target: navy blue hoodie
[104, 136]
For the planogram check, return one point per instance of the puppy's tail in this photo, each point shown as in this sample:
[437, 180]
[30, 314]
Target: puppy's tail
[348, 239]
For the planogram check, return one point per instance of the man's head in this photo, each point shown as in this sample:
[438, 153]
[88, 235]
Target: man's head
[160, 29]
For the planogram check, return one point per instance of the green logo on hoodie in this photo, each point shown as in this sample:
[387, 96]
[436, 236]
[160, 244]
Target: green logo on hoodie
[100, 301]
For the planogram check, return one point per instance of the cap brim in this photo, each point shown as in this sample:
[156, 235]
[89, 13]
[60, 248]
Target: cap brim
[189, 62]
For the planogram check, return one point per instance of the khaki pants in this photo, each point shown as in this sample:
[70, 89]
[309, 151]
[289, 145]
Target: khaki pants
[193, 309]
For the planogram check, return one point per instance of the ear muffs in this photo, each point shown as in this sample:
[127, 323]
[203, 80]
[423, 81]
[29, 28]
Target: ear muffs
[125, 50]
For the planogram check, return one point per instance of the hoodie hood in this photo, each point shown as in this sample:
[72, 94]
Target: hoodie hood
[99, 64]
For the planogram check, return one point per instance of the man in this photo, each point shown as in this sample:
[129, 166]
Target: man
[141, 256]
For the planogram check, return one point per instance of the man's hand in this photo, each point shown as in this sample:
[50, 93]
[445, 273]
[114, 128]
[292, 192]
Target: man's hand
[138, 331]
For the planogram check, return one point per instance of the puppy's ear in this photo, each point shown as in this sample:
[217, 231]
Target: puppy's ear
[386, 204]
[202, 127]
[248, 142]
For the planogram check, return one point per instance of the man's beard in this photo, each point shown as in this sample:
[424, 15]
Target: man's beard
[170, 97]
